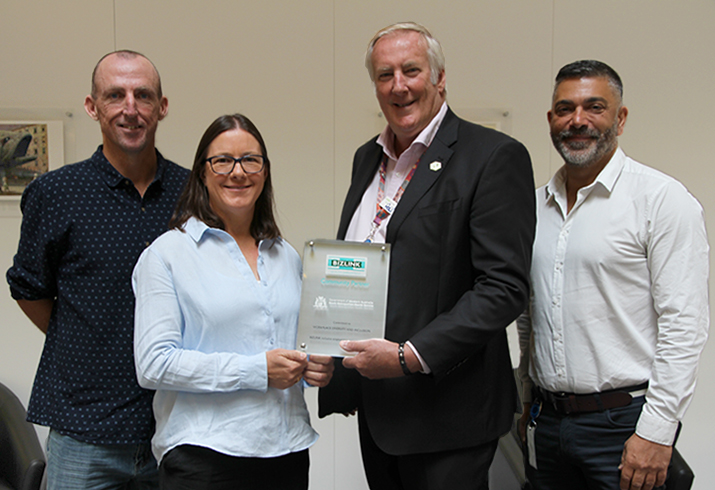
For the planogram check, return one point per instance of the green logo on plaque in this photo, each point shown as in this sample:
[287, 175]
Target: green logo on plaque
[346, 266]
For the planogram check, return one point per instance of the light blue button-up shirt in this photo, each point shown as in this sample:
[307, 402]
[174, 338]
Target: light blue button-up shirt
[203, 324]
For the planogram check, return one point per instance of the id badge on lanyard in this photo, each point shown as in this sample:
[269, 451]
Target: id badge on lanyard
[531, 432]
[386, 205]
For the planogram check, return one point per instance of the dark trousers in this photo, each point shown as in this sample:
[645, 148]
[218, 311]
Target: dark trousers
[458, 469]
[198, 468]
[581, 451]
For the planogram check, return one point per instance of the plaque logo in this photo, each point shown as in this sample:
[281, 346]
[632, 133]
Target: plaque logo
[320, 303]
[338, 266]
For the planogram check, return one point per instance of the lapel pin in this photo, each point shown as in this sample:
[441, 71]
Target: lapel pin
[435, 166]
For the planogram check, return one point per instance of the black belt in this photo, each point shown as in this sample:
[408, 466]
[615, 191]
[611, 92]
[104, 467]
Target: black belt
[571, 403]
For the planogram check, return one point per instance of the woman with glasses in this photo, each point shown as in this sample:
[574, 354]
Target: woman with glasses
[217, 300]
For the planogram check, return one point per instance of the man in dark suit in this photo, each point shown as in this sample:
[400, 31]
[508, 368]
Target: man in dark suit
[456, 203]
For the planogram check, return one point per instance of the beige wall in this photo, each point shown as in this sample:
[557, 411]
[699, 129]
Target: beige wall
[296, 68]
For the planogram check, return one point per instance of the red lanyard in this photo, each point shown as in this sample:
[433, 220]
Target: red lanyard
[386, 206]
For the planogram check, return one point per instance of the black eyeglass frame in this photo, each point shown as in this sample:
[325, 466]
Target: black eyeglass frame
[235, 161]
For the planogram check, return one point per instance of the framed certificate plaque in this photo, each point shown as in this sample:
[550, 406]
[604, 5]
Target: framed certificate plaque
[344, 294]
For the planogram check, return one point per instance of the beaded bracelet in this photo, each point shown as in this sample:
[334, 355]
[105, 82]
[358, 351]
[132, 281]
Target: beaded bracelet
[403, 364]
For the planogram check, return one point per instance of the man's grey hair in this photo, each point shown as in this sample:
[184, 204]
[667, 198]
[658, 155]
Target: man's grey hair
[591, 69]
[434, 49]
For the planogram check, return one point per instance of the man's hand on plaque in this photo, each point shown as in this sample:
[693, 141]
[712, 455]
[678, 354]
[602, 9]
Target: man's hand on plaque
[377, 358]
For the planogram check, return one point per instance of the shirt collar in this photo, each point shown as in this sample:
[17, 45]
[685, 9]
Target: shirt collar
[197, 229]
[607, 178]
[610, 173]
[387, 137]
[112, 176]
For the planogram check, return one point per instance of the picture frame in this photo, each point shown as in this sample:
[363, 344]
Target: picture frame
[28, 149]
[60, 143]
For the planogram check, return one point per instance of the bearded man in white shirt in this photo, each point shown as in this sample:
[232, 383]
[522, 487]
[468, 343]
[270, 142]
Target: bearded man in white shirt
[619, 309]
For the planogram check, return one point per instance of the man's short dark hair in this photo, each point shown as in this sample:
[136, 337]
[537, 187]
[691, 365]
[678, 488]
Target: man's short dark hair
[126, 54]
[590, 69]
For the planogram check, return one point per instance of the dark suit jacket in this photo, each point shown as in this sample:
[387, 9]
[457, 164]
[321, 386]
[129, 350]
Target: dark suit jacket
[461, 243]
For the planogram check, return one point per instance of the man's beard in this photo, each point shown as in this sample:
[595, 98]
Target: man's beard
[585, 154]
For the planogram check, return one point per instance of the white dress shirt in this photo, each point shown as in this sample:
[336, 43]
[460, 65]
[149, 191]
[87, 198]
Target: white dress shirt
[203, 325]
[619, 292]
[395, 173]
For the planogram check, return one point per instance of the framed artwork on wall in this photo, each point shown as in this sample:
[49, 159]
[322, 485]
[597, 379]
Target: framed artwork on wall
[28, 149]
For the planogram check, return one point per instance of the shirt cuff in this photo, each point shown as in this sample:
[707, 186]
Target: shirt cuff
[654, 428]
[253, 373]
[425, 367]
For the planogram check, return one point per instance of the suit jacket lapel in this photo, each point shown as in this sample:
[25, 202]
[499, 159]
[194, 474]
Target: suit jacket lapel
[424, 177]
[362, 176]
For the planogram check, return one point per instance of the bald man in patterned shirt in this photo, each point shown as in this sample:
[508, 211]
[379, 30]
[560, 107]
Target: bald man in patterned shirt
[83, 227]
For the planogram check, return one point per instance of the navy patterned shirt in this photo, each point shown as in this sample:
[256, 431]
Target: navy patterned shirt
[84, 226]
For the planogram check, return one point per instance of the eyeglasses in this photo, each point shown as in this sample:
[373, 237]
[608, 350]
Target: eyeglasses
[224, 164]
